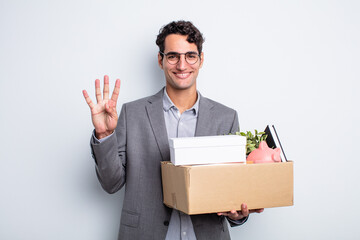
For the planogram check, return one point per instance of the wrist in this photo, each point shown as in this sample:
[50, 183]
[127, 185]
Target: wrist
[103, 134]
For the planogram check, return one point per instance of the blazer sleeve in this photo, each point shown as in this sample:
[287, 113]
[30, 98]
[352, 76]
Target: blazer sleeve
[110, 157]
[235, 223]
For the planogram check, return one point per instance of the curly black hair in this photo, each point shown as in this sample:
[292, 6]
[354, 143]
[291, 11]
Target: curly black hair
[181, 27]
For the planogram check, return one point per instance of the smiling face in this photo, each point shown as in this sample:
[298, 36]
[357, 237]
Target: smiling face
[181, 76]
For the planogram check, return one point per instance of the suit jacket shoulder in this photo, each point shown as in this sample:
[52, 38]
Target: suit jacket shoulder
[215, 118]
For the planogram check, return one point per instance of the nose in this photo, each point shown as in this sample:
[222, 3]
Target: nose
[181, 65]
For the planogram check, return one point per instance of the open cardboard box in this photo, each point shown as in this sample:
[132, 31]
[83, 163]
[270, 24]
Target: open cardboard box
[215, 188]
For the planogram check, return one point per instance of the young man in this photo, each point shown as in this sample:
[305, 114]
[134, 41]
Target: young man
[129, 149]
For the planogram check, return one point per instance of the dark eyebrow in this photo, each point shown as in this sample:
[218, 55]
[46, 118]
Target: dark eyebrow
[172, 53]
[191, 52]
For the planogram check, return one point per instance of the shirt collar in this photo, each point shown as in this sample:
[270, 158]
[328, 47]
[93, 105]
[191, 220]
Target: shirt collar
[167, 103]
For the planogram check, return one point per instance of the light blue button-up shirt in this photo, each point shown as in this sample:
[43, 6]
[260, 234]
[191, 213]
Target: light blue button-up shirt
[180, 125]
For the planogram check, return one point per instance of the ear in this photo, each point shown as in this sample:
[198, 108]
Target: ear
[160, 61]
[263, 145]
[276, 155]
[201, 59]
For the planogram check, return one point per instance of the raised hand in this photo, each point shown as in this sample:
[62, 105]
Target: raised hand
[103, 114]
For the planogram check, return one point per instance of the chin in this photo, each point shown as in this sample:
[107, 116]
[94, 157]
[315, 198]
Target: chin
[179, 86]
[183, 86]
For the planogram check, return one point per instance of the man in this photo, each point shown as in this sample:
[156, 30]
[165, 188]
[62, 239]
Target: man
[129, 149]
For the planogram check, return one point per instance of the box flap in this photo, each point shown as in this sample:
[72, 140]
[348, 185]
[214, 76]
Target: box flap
[207, 141]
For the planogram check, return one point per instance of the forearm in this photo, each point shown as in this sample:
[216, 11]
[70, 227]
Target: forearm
[110, 158]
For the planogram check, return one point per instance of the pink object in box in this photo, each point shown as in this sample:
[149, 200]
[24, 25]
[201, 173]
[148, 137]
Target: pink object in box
[264, 154]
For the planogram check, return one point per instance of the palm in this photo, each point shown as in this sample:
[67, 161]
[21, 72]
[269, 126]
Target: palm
[101, 119]
[103, 113]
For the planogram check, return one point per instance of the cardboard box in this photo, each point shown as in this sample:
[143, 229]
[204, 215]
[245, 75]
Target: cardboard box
[212, 149]
[222, 187]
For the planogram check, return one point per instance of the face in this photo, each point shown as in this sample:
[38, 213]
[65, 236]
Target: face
[182, 75]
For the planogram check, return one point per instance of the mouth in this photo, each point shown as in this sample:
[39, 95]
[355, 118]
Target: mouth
[182, 75]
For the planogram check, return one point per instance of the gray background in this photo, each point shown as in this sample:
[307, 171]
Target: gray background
[291, 63]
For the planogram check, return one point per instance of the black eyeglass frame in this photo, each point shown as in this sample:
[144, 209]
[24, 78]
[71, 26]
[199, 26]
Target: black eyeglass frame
[179, 54]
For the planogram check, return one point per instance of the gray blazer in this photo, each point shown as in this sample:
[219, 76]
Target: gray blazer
[133, 156]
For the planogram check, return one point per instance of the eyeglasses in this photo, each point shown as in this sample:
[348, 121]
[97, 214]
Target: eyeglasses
[174, 57]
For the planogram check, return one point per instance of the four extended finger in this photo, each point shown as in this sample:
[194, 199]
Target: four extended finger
[106, 87]
[88, 99]
[99, 99]
[115, 94]
[97, 91]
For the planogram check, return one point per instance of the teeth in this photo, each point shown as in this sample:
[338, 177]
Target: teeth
[182, 75]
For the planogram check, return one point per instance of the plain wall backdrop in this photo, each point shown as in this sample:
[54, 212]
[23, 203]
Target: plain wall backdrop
[291, 63]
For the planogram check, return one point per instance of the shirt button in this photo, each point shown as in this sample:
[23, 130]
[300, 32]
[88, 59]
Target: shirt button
[166, 223]
[184, 233]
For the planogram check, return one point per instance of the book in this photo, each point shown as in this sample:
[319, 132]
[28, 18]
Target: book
[273, 141]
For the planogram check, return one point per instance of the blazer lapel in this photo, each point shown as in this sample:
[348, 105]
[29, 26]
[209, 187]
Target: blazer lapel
[155, 113]
[203, 125]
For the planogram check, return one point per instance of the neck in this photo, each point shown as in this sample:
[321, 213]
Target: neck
[183, 99]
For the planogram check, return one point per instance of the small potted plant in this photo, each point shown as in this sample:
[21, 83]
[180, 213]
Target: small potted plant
[252, 140]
